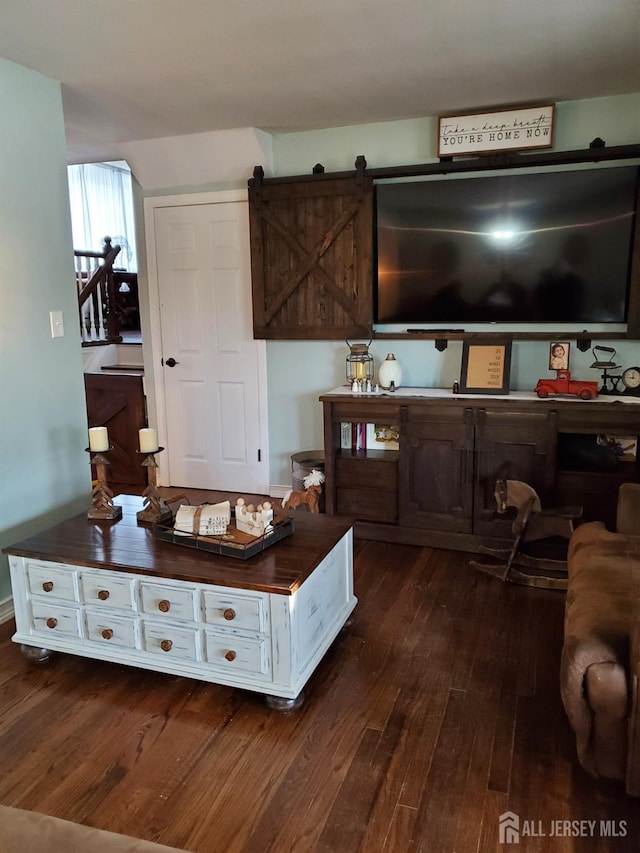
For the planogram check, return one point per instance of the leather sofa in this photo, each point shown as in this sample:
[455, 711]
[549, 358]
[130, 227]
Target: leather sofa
[601, 652]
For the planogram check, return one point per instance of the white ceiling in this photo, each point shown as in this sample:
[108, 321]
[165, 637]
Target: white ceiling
[140, 69]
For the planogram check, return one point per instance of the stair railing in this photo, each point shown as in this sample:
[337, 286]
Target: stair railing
[99, 321]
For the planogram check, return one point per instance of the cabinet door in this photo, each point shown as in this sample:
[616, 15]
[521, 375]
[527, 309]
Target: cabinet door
[436, 468]
[512, 445]
[117, 402]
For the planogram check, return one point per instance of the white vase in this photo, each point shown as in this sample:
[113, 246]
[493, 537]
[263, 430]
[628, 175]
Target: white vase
[390, 372]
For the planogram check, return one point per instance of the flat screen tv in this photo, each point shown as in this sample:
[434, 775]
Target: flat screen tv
[514, 248]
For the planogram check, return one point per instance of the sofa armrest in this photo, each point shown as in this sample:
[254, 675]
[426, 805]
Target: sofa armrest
[23, 831]
[633, 742]
[628, 512]
[606, 690]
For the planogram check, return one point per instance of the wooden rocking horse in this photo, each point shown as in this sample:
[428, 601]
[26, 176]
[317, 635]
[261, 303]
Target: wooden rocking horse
[309, 496]
[303, 497]
[535, 557]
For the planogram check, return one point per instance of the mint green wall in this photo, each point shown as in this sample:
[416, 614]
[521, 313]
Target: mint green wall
[298, 372]
[43, 468]
[397, 143]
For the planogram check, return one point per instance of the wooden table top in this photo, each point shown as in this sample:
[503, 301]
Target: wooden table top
[125, 545]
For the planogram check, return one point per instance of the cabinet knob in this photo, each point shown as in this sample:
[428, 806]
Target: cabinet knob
[51, 622]
[107, 633]
[103, 594]
[47, 586]
[164, 605]
[230, 655]
[229, 614]
[166, 645]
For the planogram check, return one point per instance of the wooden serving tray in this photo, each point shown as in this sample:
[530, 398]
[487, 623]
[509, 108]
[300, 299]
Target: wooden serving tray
[234, 543]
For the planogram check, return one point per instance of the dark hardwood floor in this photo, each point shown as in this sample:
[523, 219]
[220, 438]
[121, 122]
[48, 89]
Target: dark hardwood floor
[436, 710]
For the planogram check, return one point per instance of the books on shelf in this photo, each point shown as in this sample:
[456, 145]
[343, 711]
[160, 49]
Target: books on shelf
[353, 436]
[345, 436]
[369, 436]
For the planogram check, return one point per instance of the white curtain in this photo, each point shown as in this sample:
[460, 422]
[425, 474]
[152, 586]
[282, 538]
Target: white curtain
[102, 206]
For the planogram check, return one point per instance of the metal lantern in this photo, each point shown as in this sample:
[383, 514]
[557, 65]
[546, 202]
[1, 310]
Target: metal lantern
[359, 363]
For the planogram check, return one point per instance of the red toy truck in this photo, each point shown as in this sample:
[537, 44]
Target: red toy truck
[564, 384]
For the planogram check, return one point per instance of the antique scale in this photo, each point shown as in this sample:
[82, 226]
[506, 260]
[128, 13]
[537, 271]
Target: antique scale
[605, 360]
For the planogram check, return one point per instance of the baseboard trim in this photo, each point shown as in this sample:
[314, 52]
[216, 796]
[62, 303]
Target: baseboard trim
[6, 610]
[278, 491]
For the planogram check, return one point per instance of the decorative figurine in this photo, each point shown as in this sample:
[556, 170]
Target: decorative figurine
[564, 384]
[309, 496]
[256, 521]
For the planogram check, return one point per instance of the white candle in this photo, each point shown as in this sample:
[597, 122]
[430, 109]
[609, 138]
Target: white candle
[98, 439]
[148, 440]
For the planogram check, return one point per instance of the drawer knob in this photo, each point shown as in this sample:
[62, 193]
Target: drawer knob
[230, 655]
[164, 605]
[103, 594]
[166, 645]
[47, 586]
[51, 622]
[107, 633]
[229, 614]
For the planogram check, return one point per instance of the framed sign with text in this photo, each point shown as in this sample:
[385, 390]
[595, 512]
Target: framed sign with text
[486, 368]
[499, 130]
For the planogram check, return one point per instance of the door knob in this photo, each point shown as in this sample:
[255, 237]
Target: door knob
[171, 362]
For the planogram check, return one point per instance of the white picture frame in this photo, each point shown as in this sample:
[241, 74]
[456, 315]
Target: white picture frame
[383, 437]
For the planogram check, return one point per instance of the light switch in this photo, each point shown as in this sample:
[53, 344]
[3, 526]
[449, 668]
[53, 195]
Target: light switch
[57, 326]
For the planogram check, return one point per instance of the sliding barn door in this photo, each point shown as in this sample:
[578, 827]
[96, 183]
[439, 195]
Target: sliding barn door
[311, 255]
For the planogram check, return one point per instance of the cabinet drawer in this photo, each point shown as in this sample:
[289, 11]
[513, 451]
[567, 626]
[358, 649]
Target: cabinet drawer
[170, 601]
[107, 590]
[238, 653]
[170, 640]
[243, 612]
[50, 618]
[367, 504]
[52, 581]
[367, 474]
[111, 630]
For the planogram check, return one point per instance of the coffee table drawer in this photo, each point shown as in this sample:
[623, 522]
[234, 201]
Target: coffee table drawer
[170, 641]
[238, 653]
[111, 630]
[108, 590]
[231, 610]
[51, 619]
[170, 601]
[52, 581]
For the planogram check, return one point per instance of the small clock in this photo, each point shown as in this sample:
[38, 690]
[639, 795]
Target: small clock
[631, 381]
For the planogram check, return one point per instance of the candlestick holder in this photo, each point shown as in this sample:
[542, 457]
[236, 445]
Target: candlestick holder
[103, 507]
[155, 510]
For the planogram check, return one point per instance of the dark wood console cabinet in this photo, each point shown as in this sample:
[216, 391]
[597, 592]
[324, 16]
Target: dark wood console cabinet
[451, 456]
[438, 488]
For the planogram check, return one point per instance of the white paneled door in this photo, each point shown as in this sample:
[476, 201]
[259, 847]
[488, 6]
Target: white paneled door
[213, 371]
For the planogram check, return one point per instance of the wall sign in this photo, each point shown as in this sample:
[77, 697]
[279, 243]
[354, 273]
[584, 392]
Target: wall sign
[499, 130]
[486, 368]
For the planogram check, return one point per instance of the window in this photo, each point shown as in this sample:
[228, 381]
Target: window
[102, 206]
